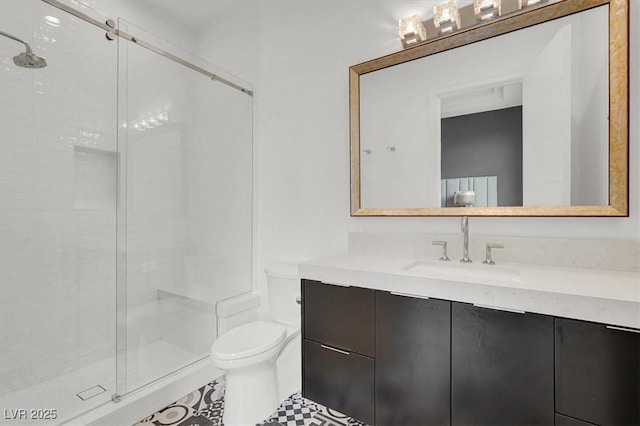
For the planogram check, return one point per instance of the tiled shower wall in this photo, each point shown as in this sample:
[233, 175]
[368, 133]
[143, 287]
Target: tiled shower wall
[187, 149]
[57, 197]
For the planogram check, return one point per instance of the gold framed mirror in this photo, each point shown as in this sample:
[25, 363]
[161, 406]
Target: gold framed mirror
[573, 147]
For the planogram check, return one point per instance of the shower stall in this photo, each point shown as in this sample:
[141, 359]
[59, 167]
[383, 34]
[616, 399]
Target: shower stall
[125, 208]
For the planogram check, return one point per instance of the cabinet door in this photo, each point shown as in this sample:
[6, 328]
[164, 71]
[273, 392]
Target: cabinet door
[501, 367]
[340, 317]
[413, 360]
[340, 380]
[597, 373]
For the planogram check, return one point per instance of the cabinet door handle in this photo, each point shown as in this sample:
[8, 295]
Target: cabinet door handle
[395, 293]
[335, 350]
[630, 330]
[496, 308]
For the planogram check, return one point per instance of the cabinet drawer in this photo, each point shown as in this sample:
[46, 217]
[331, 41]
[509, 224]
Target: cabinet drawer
[342, 317]
[340, 380]
[597, 373]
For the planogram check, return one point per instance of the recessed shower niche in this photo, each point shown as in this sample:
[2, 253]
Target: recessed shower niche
[95, 178]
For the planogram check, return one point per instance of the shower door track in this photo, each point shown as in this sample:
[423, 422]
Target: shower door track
[59, 5]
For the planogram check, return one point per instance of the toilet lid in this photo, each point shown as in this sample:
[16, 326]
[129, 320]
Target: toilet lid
[248, 340]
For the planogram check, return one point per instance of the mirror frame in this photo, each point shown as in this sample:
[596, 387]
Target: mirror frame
[618, 109]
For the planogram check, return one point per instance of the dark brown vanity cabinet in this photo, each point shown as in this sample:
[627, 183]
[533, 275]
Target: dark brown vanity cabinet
[413, 360]
[501, 367]
[597, 373]
[338, 348]
[397, 360]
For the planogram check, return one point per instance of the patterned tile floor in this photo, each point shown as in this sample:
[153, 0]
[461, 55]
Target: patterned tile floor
[204, 407]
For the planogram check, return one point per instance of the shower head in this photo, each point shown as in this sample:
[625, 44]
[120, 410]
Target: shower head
[29, 60]
[26, 59]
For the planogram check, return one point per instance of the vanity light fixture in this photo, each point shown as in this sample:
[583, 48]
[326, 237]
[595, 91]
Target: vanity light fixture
[412, 30]
[487, 9]
[446, 16]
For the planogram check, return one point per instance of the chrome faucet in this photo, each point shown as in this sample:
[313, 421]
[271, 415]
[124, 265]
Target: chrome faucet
[465, 241]
[444, 257]
[489, 260]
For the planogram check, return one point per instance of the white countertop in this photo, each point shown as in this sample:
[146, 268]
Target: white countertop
[602, 296]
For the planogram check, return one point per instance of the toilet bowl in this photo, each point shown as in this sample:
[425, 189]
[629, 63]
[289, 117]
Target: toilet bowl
[248, 353]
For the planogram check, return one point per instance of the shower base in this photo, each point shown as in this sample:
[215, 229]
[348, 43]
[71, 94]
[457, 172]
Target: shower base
[58, 398]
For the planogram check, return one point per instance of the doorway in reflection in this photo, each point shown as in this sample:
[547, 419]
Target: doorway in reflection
[482, 152]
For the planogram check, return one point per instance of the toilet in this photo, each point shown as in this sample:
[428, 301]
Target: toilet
[248, 353]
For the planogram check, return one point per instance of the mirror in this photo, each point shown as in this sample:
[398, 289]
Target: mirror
[526, 115]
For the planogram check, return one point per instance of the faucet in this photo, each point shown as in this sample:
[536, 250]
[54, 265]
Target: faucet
[465, 240]
[489, 260]
[444, 257]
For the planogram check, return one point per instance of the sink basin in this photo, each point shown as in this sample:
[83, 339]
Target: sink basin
[465, 271]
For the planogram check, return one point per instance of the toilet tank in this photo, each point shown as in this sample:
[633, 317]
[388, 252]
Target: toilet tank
[283, 287]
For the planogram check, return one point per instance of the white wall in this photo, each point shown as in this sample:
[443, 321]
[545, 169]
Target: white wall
[232, 41]
[303, 133]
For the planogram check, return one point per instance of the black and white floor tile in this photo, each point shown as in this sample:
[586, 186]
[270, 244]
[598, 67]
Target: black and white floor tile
[202, 407]
[294, 411]
[205, 406]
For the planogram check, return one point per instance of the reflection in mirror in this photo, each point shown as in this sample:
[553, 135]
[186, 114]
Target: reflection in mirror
[521, 119]
[481, 145]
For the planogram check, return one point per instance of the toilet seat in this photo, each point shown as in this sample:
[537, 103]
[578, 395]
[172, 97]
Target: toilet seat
[248, 340]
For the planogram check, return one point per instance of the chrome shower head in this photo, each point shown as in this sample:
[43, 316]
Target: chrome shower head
[29, 60]
[26, 59]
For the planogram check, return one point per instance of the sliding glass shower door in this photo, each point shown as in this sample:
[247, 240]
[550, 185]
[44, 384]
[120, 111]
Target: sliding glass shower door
[185, 142]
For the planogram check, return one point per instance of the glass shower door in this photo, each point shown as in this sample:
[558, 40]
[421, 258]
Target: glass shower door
[186, 206]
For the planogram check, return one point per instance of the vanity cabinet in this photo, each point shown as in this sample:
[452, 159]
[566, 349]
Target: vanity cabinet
[501, 367]
[394, 360]
[597, 373]
[412, 360]
[338, 348]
